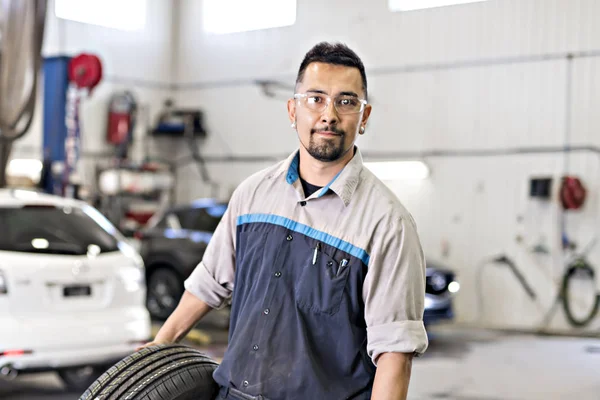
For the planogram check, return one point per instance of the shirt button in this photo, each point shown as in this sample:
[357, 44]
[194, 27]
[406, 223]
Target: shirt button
[255, 347]
[329, 263]
[302, 203]
[267, 311]
[277, 274]
[289, 237]
[245, 383]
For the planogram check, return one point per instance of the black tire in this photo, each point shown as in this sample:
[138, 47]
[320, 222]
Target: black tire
[165, 288]
[164, 372]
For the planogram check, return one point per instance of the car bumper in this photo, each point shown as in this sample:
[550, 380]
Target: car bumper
[75, 340]
[48, 360]
[438, 308]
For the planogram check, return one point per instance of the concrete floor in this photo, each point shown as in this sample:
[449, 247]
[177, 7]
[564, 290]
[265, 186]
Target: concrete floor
[480, 365]
[460, 364]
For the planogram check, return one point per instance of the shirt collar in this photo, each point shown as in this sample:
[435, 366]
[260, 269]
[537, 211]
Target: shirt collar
[343, 184]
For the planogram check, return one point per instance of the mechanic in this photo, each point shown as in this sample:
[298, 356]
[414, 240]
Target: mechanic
[322, 263]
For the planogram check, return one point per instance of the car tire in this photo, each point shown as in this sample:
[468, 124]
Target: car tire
[162, 372]
[164, 290]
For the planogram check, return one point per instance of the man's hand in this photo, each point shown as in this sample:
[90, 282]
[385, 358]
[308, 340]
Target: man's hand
[150, 344]
[392, 377]
[189, 311]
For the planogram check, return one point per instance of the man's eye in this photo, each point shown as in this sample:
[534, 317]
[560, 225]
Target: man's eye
[315, 99]
[347, 102]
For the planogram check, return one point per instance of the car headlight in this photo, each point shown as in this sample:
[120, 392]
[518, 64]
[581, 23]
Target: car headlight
[454, 287]
[438, 281]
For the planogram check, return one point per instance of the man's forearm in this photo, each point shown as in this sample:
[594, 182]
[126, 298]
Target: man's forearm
[187, 314]
[392, 377]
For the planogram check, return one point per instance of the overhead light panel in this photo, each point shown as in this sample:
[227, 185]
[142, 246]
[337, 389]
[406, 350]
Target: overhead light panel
[409, 5]
[399, 170]
[128, 15]
[218, 17]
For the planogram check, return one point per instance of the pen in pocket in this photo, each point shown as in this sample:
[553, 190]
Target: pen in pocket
[315, 254]
[342, 265]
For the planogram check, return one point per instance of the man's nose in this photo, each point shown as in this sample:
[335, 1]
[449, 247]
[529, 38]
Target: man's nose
[329, 115]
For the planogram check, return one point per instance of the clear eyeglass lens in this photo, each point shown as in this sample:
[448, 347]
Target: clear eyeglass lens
[343, 104]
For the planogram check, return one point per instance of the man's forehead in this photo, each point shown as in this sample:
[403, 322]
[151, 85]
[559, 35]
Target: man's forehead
[330, 75]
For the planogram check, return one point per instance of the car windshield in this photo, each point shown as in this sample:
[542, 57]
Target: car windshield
[52, 230]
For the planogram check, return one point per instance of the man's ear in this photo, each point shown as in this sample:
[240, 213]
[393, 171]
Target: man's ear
[291, 106]
[366, 114]
[364, 119]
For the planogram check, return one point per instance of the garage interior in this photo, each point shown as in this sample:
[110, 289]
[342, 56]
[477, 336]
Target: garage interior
[485, 126]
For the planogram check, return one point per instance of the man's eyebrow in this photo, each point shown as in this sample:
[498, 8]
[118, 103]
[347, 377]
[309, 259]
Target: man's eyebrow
[352, 94]
[316, 91]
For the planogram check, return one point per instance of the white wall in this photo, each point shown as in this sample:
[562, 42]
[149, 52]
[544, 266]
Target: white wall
[453, 78]
[139, 61]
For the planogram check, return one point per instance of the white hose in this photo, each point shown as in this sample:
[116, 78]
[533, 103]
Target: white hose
[21, 34]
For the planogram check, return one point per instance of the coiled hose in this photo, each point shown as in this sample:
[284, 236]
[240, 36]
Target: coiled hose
[579, 267]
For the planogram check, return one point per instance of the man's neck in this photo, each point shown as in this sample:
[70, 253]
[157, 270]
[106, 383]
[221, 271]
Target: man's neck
[320, 173]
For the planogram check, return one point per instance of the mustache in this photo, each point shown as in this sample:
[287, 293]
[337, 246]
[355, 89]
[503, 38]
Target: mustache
[333, 129]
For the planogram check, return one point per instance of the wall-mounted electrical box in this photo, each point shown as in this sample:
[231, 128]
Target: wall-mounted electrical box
[540, 188]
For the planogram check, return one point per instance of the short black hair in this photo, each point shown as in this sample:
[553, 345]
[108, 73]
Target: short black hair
[336, 54]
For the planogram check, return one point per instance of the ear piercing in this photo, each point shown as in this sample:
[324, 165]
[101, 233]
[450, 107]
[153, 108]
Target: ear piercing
[294, 125]
[362, 129]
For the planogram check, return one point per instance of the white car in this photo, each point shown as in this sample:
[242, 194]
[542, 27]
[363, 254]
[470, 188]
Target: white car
[72, 291]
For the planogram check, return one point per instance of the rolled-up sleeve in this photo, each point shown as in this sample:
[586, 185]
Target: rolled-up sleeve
[212, 280]
[394, 291]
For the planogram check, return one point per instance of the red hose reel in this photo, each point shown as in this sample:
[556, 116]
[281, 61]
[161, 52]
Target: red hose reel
[572, 193]
[85, 71]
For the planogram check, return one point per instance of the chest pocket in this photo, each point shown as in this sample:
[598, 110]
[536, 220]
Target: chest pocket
[321, 286]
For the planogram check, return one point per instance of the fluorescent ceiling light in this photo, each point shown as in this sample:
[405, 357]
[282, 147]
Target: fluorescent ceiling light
[127, 15]
[229, 16]
[408, 5]
[399, 170]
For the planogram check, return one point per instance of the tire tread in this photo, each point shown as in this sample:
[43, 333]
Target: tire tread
[160, 372]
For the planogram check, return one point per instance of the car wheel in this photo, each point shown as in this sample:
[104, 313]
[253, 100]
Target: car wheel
[165, 289]
[79, 379]
[158, 373]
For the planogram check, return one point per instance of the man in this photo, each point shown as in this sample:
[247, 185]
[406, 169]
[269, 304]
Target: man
[328, 270]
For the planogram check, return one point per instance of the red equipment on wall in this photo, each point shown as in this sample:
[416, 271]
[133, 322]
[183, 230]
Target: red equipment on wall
[121, 121]
[572, 193]
[85, 71]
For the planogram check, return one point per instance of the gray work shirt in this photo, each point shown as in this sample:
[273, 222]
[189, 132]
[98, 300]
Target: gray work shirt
[321, 285]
